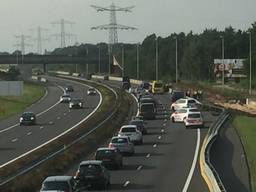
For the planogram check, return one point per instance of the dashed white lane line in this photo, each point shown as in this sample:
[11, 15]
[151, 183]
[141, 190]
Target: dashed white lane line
[159, 137]
[64, 114]
[148, 155]
[58, 118]
[41, 127]
[165, 119]
[139, 168]
[155, 145]
[126, 183]
[162, 130]
[14, 140]
[164, 124]
[191, 172]
[29, 133]
[50, 122]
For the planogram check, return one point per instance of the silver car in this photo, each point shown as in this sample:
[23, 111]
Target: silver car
[65, 98]
[132, 132]
[123, 144]
[58, 183]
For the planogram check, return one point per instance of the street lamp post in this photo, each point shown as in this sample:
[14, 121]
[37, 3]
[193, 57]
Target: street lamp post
[138, 61]
[250, 80]
[176, 56]
[156, 59]
[223, 56]
[99, 59]
[123, 64]
[87, 65]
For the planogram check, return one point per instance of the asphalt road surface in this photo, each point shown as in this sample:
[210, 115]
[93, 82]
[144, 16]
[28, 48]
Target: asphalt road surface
[53, 118]
[167, 161]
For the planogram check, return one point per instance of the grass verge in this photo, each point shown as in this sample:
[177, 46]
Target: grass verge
[10, 105]
[246, 127]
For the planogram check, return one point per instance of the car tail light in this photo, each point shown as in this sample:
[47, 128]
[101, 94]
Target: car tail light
[77, 173]
[110, 145]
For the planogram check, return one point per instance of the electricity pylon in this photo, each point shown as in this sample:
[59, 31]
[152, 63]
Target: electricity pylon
[40, 39]
[22, 43]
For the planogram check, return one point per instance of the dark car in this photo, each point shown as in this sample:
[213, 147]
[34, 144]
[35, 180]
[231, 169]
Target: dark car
[69, 88]
[145, 85]
[147, 100]
[58, 183]
[28, 118]
[76, 103]
[148, 110]
[140, 125]
[92, 174]
[175, 95]
[91, 91]
[111, 157]
[126, 85]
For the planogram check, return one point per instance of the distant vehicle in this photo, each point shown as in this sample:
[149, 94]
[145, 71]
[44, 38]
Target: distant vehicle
[123, 143]
[146, 85]
[111, 157]
[92, 174]
[194, 120]
[182, 113]
[147, 100]
[58, 183]
[28, 118]
[69, 88]
[175, 95]
[139, 117]
[65, 98]
[157, 87]
[140, 125]
[91, 91]
[132, 132]
[126, 83]
[187, 102]
[76, 103]
[147, 110]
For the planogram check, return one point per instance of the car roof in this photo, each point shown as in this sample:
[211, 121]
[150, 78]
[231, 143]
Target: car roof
[88, 162]
[28, 112]
[58, 178]
[106, 148]
[129, 126]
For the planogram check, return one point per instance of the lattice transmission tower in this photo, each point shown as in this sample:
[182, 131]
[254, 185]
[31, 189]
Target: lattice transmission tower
[22, 43]
[112, 27]
[39, 39]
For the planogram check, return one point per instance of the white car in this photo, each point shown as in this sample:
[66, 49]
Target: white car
[65, 98]
[91, 91]
[186, 102]
[194, 120]
[132, 132]
[180, 114]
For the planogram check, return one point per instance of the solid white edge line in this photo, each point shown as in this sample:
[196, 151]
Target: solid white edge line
[65, 132]
[126, 183]
[191, 172]
[41, 113]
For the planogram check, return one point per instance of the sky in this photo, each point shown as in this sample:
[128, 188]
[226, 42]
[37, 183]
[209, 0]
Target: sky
[162, 17]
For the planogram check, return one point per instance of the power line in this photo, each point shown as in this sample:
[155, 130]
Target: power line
[22, 43]
[40, 38]
[63, 33]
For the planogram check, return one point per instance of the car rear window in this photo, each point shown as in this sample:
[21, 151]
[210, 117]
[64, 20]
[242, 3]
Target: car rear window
[182, 111]
[191, 101]
[128, 129]
[181, 101]
[104, 153]
[90, 169]
[119, 140]
[196, 115]
[55, 185]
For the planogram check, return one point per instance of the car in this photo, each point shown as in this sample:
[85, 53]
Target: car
[132, 132]
[28, 118]
[69, 88]
[147, 110]
[75, 103]
[145, 85]
[66, 98]
[58, 183]
[92, 174]
[140, 125]
[186, 102]
[138, 117]
[111, 157]
[180, 114]
[91, 91]
[123, 144]
[176, 94]
[147, 100]
[194, 120]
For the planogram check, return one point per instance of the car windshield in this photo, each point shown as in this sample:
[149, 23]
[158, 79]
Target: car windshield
[90, 169]
[191, 101]
[76, 100]
[26, 115]
[91, 89]
[104, 153]
[194, 115]
[119, 140]
[128, 129]
[65, 96]
[56, 185]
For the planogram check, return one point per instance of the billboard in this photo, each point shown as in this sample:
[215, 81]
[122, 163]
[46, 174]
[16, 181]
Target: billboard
[231, 67]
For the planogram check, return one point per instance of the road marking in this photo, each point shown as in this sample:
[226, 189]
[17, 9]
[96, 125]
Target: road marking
[14, 140]
[50, 122]
[155, 145]
[162, 130]
[139, 168]
[58, 117]
[64, 114]
[29, 133]
[159, 137]
[185, 188]
[165, 119]
[41, 127]
[164, 124]
[126, 183]
[148, 155]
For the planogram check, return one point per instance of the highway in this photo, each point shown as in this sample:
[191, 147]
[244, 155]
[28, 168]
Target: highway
[53, 118]
[167, 161]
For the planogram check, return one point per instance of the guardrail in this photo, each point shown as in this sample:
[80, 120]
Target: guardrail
[60, 149]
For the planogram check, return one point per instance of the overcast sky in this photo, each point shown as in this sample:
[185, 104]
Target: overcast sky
[162, 17]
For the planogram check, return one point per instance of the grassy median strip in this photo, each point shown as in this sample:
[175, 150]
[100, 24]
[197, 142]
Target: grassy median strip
[10, 105]
[246, 127]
